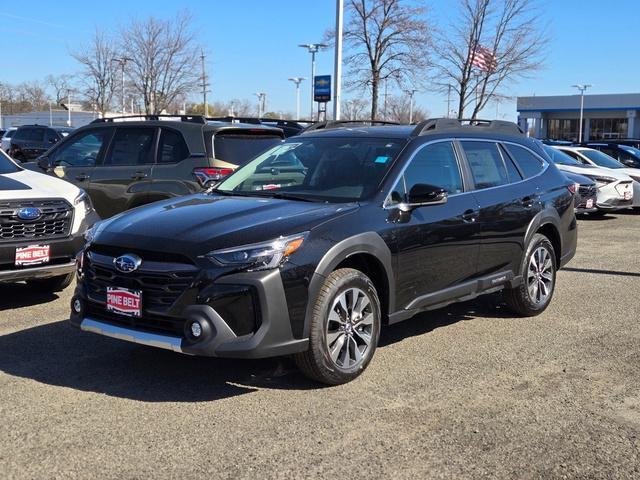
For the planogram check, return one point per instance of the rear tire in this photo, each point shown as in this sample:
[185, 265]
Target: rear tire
[344, 330]
[52, 284]
[538, 269]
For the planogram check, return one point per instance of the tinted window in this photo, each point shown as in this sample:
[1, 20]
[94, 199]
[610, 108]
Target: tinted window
[52, 136]
[6, 164]
[486, 164]
[323, 169]
[559, 157]
[530, 165]
[30, 134]
[172, 147]
[241, 148]
[601, 159]
[81, 151]
[512, 170]
[131, 146]
[435, 165]
[575, 156]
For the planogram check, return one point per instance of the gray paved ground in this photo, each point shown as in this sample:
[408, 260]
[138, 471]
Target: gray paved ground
[463, 392]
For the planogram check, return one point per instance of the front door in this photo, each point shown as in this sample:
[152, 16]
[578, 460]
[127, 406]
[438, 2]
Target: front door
[437, 245]
[123, 179]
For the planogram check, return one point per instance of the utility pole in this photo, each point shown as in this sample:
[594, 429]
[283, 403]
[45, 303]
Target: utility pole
[313, 48]
[122, 61]
[1, 113]
[297, 81]
[449, 101]
[411, 93]
[262, 101]
[582, 87]
[50, 116]
[337, 68]
[204, 85]
[68, 107]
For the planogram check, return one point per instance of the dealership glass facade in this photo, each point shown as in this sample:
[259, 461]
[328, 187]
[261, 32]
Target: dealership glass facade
[606, 128]
[563, 129]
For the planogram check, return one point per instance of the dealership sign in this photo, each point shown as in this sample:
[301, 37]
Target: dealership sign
[322, 88]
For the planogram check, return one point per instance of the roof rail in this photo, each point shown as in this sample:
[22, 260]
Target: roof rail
[496, 126]
[256, 120]
[132, 118]
[330, 124]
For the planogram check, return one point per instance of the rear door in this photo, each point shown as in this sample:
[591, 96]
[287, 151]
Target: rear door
[507, 205]
[173, 171]
[123, 179]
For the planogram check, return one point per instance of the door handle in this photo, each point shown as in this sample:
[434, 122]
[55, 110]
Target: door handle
[529, 201]
[139, 176]
[82, 177]
[470, 216]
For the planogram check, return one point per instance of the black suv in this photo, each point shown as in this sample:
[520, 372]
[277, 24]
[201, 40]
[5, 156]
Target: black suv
[315, 244]
[31, 141]
[124, 163]
[625, 154]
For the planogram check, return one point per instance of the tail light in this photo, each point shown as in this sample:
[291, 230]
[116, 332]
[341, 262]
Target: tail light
[207, 176]
[573, 188]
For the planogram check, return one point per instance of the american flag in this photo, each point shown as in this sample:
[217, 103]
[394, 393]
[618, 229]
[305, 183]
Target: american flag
[484, 59]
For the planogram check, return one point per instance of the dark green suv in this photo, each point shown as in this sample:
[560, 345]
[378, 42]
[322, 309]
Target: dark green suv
[124, 162]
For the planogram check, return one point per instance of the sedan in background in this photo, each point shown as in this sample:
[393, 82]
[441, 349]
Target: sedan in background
[5, 142]
[586, 193]
[615, 190]
[625, 154]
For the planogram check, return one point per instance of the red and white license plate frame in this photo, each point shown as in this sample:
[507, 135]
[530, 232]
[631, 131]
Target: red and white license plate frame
[124, 301]
[32, 255]
[590, 203]
[627, 195]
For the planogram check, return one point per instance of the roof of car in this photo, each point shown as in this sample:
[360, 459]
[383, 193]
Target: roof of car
[181, 121]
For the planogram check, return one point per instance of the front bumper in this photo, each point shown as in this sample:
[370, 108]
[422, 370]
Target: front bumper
[272, 338]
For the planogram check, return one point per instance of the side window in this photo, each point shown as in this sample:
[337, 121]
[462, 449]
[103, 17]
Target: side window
[512, 170]
[574, 155]
[433, 165]
[81, 151]
[52, 136]
[131, 146]
[20, 134]
[530, 165]
[487, 167]
[172, 147]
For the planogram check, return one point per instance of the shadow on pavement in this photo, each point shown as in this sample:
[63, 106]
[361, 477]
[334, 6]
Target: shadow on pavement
[59, 354]
[601, 272]
[597, 218]
[18, 295]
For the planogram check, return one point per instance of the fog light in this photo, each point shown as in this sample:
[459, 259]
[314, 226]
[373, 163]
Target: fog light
[77, 305]
[196, 329]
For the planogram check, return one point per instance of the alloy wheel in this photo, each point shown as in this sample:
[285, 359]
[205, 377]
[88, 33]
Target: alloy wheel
[540, 276]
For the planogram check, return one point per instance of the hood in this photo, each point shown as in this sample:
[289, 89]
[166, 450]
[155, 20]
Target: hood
[581, 179]
[590, 170]
[632, 172]
[27, 184]
[200, 223]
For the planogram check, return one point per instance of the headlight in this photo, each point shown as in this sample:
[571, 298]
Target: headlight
[259, 256]
[84, 199]
[637, 179]
[601, 180]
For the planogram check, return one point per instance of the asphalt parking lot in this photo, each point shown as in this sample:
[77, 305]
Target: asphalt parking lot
[464, 392]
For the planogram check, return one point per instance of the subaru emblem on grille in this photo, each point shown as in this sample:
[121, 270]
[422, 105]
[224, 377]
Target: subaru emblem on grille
[29, 213]
[127, 263]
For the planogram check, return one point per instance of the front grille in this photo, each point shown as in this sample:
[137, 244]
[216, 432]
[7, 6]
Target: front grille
[55, 221]
[161, 283]
[588, 190]
[149, 322]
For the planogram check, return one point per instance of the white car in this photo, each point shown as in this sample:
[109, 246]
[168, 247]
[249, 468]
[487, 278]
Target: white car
[615, 188]
[5, 141]
[42, 225]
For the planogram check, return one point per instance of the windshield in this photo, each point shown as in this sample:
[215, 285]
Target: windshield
[560, 158]
[601, 159]
[7, 165]
[322, 169]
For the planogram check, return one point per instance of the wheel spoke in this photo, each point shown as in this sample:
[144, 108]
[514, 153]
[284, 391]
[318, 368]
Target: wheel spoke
[333, 336]
[346, 359]
[357, 354]
[337, 348]
[343, 304]
[363, 302]
[365, 321]
[365, 336]
[335, 317]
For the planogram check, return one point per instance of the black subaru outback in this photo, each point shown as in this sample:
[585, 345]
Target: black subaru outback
[314, 245]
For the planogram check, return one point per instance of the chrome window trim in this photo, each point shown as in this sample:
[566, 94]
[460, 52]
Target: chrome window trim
[545, 164]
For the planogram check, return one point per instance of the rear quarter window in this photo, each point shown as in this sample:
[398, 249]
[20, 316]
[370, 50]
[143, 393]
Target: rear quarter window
[239, 147]
[530, 165]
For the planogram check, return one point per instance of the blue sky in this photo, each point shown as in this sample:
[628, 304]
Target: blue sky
[252, 44]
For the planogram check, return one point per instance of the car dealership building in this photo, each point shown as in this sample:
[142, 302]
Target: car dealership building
[557, 117]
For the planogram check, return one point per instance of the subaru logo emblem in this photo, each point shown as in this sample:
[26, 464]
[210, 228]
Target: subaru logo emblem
[127, 263]
[29, 213]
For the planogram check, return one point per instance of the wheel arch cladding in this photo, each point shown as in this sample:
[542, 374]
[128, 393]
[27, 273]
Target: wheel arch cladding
[551, 232]
[366, 250]
[547, 223]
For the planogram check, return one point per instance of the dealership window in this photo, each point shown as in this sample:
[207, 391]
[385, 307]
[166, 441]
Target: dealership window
[607, 128]
[563, 129]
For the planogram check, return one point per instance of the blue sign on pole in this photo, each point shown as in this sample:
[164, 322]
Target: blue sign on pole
[322, 88]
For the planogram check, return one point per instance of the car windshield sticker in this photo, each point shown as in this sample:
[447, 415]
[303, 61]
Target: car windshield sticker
[382, 159]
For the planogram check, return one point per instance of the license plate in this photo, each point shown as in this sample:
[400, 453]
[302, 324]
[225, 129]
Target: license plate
[590, 203]
[32, 255]
[627, 195]
[124, 301]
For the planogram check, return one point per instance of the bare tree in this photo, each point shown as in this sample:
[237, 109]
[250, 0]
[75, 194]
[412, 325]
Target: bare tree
[59, 85]
[354, 109]
[385, 39]
[98, 74]
[33, 94]
[164, 60]
[490, 44]
[399, 107]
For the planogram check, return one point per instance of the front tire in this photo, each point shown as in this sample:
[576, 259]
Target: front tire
[52, 284]
[344, 330]
[534, 294]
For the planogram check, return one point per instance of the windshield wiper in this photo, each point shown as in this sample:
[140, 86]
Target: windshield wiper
[285, 196]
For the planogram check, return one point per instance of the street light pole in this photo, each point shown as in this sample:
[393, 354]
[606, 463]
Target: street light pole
[582, 87]
[411, 93]
[313, 48]
[449, 101]
[68, 107]
[123, 62]
[261, 101]
[297, 81]
[337, 68]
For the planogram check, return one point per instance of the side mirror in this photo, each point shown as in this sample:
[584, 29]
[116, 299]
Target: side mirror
[422, 194]
[44, 163]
